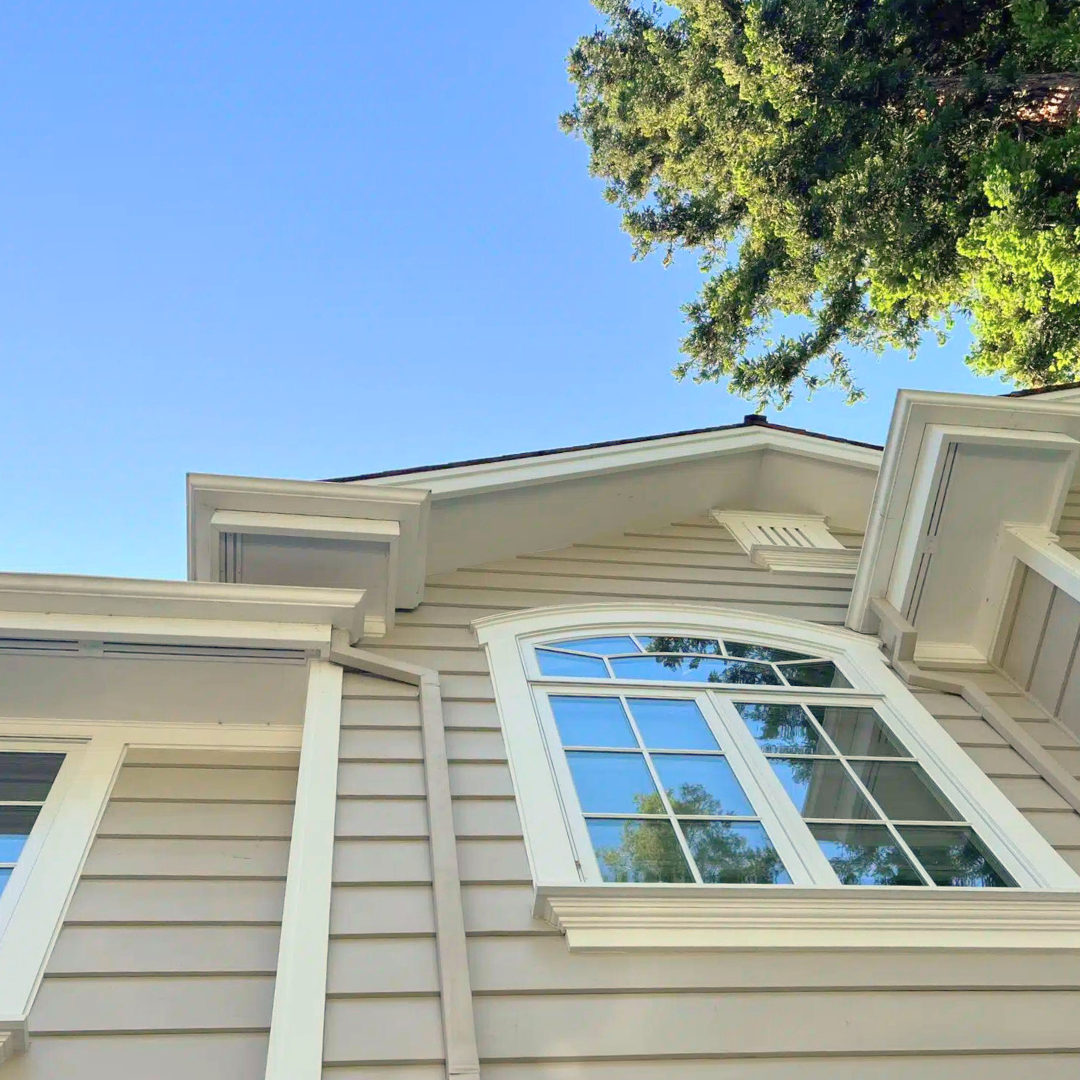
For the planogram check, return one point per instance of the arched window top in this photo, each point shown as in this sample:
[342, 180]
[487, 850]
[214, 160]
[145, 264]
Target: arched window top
[699, 745]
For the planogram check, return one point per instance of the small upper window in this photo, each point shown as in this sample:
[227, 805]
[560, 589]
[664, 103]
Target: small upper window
[25, 781]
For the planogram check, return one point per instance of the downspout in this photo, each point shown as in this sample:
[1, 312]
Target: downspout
[900, 638]
[459, 1026]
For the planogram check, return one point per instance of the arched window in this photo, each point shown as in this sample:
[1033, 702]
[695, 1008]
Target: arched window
[702, 747]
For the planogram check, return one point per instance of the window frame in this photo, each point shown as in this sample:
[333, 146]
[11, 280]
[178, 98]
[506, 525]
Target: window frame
[537, 761]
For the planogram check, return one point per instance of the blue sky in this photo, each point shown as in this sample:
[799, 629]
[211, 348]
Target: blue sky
[308, 240]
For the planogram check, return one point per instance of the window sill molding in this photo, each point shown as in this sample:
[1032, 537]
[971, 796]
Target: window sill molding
[789, 917]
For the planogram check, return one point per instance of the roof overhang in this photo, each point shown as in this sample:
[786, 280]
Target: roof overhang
[37, 608]
[256, 531]
[489, 510]
[959, 473]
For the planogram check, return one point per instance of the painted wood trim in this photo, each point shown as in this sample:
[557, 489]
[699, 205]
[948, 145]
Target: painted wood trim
[296, 1025]
[41, 888]
[779, 916]
[455, 985]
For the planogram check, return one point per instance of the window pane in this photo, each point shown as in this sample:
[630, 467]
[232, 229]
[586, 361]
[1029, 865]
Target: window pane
[638, 851]
[857, 731]
[681, 645]
[697, 784]
[955, 856]
[822, 673]
[5, 875]
[734, 852]
[672, 725]
[27, 777]
[820, 788]
[15, 825]
[865, 855]
[602, 646]
[760, 652]
[591, 721]
[694, 669]
[553, 663]
[781, 729]
[904, 792]
[613, 783]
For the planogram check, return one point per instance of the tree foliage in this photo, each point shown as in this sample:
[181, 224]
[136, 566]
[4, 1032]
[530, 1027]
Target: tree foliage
[875, 167]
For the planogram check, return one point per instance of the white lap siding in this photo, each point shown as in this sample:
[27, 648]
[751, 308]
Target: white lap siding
[543, 1013]
[165, 963]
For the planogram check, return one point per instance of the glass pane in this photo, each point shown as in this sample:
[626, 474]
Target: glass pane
[591, 721]
[708, 646]
[27, 777]
[857, 731]
[614, 783]
[761, 652]
[821, 673]
[734, 852]
[865, 855]
[697, 784]
[782, 729]
[638, 851]
[15, 825]
[820, 788]
[694, 669]
[553, 663]
[602, 646]
[672, 725]
[904, 792]
[955, 856]
[5, 876]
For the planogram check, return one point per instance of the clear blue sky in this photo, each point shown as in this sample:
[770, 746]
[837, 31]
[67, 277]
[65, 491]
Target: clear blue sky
[307, 240]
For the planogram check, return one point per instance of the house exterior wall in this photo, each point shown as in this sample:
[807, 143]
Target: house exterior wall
[165, 963]
[543, 1013]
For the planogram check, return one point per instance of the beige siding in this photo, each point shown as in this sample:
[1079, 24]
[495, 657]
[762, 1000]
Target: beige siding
[546, 1014]
[165, 964]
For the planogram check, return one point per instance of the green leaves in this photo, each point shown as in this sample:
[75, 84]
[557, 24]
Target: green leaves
[869, 168]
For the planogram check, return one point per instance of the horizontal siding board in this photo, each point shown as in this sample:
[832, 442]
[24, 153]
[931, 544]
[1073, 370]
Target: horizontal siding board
[531, 964]
[381, 817]
[360, 861]
[205, 1056]
[164, 949]
[362, 712]
[1000, 761]
[1058, 827]
[1035, 794]
[207, 1003]
[480, 780]
[355, 685]
[119, 901]
[945, 705]
[187, 858]
[501, 909]
[971, 731]
[486, 817]
[469, 661]
[471, 714]
[381, 910]
[475, 746]
[1049, 735]
[139, 818]
[692, 1024]
[377, 1030]
[380, 778]
[158, 782]
[391, 744]
[848, 1067]
[383, 966]
[493, 860]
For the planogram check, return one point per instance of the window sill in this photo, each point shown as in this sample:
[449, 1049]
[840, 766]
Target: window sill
[789, 917]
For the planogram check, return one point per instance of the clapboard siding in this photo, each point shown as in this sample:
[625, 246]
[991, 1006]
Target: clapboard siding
[167, 957]
[545, 1014]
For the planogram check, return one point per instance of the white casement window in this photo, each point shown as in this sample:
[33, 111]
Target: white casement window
[700, 749]
[26, 778]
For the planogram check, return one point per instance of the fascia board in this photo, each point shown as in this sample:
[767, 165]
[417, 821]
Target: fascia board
[913, 413]
[580, 464]
[193, 601]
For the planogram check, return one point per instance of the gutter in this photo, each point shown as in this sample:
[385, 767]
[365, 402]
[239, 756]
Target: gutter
[900, 638]
[455, 989]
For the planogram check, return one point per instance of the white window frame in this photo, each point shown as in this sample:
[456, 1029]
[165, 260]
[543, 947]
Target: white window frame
[595, 914]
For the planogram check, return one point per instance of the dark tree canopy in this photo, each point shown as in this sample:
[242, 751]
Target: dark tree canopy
[877, 167]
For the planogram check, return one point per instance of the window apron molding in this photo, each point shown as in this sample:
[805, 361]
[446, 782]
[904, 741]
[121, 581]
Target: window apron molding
[597, 905]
